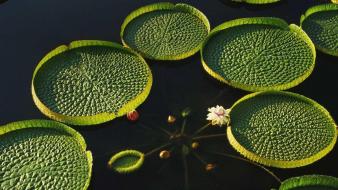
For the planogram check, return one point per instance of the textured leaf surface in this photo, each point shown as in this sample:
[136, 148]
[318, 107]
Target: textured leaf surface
[257, 1]
[126, 161]
[310, 182]
[321, 24]
[165, 31]
[90, 82]
[42, 155]
[258, 54]
[281, 129]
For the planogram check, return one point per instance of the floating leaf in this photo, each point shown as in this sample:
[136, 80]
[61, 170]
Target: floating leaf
[310, 182]
[42, 154]
[126, 161]
[257, 1]
[320, 23]
[281, 129]
[90, 82]
[257, 54]
[165, 31]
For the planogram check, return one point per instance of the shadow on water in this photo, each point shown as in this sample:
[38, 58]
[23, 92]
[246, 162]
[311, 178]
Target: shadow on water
[3, 1]
[253, 7]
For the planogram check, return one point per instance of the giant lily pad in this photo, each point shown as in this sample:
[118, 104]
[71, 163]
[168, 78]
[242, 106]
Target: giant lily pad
[165, 31]
[281, 129]
[257, 54]
[90, 82]
[310, 182]
[41, 154]
[321, 24]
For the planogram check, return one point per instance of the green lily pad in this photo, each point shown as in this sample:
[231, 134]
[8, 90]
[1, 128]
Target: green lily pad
[320, 23]
[257, 1]
[281, 129]
[164, 31]
[126, 161]
[310, 182]
[90, 82]
[42, 154]
[258, 54]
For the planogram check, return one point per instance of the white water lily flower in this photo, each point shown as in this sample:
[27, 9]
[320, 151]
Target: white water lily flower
[218, 115]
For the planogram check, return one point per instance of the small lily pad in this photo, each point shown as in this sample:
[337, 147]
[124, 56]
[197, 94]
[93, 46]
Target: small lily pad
[256, 54]
[321, 24]
[281, 129]
[310, 182]
[42, 154]
[126, 161]
[90, 82]
[257, 1]
[165, 31]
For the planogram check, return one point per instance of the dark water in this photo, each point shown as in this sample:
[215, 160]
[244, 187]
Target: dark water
[30, 29]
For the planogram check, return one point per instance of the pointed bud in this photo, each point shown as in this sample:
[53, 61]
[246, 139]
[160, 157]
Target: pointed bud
[171, 119]
[195, 145]
[164, 154]
[186, 112]
[133, 115]
[210, 167]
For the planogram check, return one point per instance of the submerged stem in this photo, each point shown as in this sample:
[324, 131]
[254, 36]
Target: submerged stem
[157, 149]
[209, 136]
[183, 126]
[186, 173]
[199, 158]
[159, 128]
[202, 128]
[250, 162]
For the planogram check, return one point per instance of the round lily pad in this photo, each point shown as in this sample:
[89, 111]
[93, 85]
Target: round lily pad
[320, 23]
[281, 129]
[165, 31]
[90, 82]
[126, 161]
[257, 1]
[42, 154]
[256, 54]
[310, 182]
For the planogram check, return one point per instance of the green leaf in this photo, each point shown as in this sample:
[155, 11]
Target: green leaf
[310, 182]
[90, 82]
[126, 161]
[164, 31]
[257, 1]
[320, 23]
[281, 129]
[256, 54]
[42, 154]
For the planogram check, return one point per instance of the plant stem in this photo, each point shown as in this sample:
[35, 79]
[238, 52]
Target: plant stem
[199, 158]
[183, 125]
[156, 149]
[159, 128]
[209, 136]
[186, 173]
[250, 162]
[202, 128]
